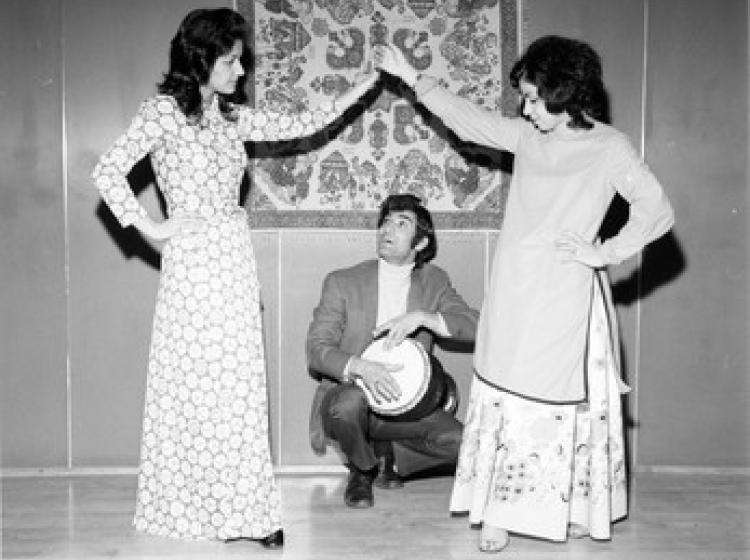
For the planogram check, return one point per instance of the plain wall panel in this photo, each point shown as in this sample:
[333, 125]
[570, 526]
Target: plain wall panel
[694, 338]
[33, 339]
[306, 258]
[266, 249]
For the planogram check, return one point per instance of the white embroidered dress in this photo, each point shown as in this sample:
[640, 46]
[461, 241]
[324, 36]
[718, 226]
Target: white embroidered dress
[205, 468]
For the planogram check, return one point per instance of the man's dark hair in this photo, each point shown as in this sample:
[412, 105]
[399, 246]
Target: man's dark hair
[425, 229]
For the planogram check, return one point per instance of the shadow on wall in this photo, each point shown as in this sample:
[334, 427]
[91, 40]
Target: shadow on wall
[663, 260]
[129, 240]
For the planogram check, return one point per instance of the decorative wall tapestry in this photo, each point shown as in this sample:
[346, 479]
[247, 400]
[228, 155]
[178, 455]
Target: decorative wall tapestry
[306, 51]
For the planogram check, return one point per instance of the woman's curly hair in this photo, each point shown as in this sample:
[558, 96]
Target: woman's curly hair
[204, 35]
[568, 76]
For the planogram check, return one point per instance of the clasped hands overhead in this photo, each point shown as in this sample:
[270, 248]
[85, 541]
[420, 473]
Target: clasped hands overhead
[389, 59]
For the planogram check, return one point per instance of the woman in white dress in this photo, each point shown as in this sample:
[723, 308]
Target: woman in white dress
[542, 451]
[205, 469]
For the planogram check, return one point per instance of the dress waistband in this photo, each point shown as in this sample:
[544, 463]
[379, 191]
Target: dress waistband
[212, 212]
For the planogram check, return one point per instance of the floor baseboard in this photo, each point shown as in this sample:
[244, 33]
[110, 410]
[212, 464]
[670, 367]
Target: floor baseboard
[322, 470]
[305, 470]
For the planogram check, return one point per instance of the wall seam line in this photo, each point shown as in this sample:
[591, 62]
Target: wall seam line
[279, 353]
[639, 288]
[66, 241]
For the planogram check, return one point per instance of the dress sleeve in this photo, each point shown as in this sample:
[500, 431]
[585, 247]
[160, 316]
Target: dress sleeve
[110, 173]
[469, 121]
[256, 125]
[651, 214]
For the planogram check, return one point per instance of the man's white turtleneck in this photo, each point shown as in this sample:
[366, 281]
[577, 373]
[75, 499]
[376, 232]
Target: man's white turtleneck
[394, 282]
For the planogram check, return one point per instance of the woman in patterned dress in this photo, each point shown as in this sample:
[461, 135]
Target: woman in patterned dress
[205, 468]
[542, 452]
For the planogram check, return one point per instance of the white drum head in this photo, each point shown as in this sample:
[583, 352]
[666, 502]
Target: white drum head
[413, 378]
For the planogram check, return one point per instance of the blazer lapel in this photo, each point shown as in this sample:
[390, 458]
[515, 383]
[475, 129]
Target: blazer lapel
[417, 301]
[416, 292]
[370, 297]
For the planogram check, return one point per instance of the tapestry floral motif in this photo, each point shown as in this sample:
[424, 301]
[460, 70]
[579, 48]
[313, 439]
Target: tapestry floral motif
[309, 51]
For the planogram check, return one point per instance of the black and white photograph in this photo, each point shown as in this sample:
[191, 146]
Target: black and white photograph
[375, 279]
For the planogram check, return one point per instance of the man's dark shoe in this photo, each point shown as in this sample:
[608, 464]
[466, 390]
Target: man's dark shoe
[358, 493]
[388, 478]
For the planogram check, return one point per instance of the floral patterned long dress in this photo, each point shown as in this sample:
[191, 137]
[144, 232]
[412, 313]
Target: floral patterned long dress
[205, 469]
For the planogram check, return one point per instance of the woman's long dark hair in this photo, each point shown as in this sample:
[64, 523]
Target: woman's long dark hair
[568, 76]
[204, 35]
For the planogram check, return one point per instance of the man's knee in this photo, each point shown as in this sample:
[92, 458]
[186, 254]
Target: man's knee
[347, 403]
[449, 439]
[446, 435]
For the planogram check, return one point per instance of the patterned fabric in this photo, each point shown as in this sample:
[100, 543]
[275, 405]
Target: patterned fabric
[205, 461]
[308, 50]
[532, 468]
[198, 167]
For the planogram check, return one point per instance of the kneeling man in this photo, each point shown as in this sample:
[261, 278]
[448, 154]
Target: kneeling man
[398, 295]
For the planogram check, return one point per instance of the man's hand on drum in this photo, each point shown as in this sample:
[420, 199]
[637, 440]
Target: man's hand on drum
[402, 326]
[377, 378]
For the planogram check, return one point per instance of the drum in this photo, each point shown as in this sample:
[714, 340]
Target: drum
[421, 379]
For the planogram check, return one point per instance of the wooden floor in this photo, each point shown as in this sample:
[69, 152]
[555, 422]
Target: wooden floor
[673, 517]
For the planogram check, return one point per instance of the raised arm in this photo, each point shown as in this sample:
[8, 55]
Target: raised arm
[260, 126]
[467, 119]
